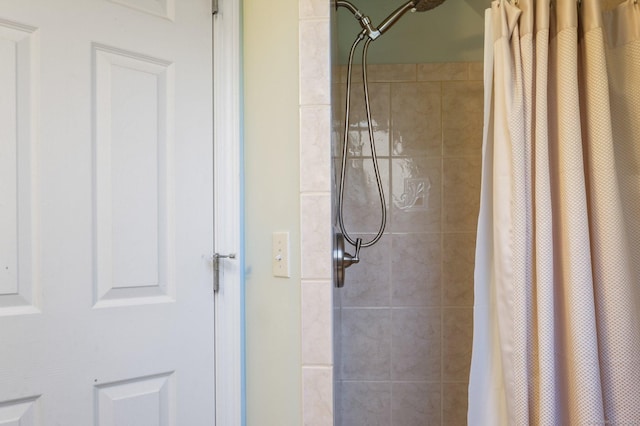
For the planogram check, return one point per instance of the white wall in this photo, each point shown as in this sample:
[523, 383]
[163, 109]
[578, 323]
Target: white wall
[272, 204]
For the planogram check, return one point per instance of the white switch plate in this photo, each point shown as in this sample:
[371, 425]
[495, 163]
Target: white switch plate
[280, 255]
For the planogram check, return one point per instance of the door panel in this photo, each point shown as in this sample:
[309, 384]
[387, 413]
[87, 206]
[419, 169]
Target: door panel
[106, 223]
[144, 401]
[133, 149]
[18, 285]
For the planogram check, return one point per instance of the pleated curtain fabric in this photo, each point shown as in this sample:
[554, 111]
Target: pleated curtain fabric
[557, 278]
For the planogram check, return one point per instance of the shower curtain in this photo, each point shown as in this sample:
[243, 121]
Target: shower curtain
[557, 279]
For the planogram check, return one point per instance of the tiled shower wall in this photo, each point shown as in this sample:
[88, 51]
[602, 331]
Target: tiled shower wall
[403, 321]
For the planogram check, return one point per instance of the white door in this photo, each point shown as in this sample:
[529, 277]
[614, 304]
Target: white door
[106, 213]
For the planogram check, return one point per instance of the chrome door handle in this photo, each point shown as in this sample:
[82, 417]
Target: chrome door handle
[216, 268]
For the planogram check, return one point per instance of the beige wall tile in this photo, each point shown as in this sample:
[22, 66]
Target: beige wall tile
[415, 197]
[462, 118]
[315, 68]
[337, 342]
[391, 72]
[454, 404]
[380, 73]
[366, 344]
[415, 348]
[443, 71]
[362, 208]
[342, 73]
[315, 223]
[457, 331]
[416, 270]
[313, 9]
[476, 71]
[396, 360]
[316, 323]
[365, 404]
[416, 119]
[458, 254]
[461, 194]
[367, 283]
[315, 150]
[379, 102]
[416, 404]
[317, 396]
[337, 120]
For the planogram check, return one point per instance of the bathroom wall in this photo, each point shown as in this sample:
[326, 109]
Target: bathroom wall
[404, 318]
[287, 129]
[271, 180]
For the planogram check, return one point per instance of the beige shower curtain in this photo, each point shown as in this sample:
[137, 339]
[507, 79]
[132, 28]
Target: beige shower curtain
[557, 281]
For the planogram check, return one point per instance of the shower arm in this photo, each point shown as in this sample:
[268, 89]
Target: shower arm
[364, 20]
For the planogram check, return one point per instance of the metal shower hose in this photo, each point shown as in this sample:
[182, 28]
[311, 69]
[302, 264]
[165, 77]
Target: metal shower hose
[383, 222]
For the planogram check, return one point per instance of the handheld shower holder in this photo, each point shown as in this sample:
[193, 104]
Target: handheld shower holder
[365, 22]
[341, 259]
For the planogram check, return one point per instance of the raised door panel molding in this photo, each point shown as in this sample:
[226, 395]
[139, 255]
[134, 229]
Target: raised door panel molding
[162, 8]
[20, 412]
[144, 401]
[133, 178]
[19, 289]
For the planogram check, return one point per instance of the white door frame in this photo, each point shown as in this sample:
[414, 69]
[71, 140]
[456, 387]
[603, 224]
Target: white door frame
[228, 214]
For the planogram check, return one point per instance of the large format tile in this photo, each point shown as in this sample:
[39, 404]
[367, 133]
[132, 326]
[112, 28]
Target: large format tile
[461, 194]
[337, 343]
[458, 254]
[409, 364]
[416, 119]
[416, 404]
[367, 282]
[415, 270]
[377, 73]
[362, 210]
[365, 404]
[462, 118]
[366, 344]
[457, 333]
[443, 71]
[454, 404]
[379, 104]
[416, 195]
[415, 351]
[476, 71]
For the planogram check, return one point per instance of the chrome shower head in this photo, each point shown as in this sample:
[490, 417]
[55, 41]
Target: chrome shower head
[413, 5]
[424, 5]
[373, 33]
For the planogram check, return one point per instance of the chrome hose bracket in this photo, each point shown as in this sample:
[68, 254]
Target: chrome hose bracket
[342, 259]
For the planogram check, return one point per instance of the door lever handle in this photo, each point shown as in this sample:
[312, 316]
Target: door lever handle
[215, 259]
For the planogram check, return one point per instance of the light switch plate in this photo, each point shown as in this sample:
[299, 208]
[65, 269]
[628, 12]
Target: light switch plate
[280, 255]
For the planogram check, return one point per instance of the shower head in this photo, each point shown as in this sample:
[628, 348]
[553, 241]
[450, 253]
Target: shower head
[373, 33]
[424, 5]
[413, 5]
